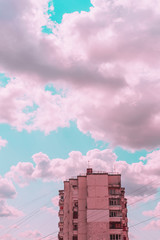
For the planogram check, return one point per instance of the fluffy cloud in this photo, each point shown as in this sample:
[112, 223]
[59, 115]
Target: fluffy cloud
[3, 142]
[60, 169]
[8, 211]
[112, 89]
[55, 201]
[153, 225]
[154, 213]
[8, 237]
[140, 179]
[7, 190]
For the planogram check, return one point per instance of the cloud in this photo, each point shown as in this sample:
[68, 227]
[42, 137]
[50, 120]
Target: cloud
[33, 235]
[154, 213]
[140, 179]
[153, 225]
[112, 89]
[8, 237]
[22, 173]
[8, 211]
[7, 190]
[3, 142]
[55, 201]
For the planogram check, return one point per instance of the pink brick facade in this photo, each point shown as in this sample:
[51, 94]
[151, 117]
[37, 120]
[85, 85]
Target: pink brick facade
[93, 207]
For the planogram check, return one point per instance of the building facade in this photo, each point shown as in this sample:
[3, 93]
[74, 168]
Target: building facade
[93, 207]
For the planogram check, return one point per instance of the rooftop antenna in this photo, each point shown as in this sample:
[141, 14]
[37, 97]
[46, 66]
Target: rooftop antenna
[89, 169]
[89, 165]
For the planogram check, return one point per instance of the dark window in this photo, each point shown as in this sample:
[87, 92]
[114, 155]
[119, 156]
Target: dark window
[62, 197]
[75, 215]
[114, 201]
[75, 238]
[114, 213]
[114, 191]
[75, 227]
[75, 203]
[115, 237]
[115, 225]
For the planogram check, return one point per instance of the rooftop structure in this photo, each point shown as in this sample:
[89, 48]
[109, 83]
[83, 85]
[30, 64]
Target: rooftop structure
[93, 207]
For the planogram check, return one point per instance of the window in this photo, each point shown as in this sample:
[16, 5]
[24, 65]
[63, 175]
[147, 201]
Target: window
[62, 197]
[75, 238]
[75, 227]
[61, 219]
[114, 213]
[75, 204]
[61, 207]
[75, 215]
[114, 201]
[115, 237]
[114, 191]
[115, 225]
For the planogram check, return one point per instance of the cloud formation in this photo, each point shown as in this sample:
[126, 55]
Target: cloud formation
[140, 179]
[7, 190]
[112, 89]
[8, 211]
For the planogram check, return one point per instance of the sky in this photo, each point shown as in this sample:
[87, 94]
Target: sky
[79, 83]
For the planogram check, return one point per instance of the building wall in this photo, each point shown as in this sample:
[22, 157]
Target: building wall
[94, 208]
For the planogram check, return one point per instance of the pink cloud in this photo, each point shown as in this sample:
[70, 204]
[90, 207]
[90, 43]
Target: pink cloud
[55, 201]
[22, 173]
[8, 211]
[7, 190]
[119, 79]
[154, 213]
[153, 225]
[3, 142]
[8, 237]
[140, 175]
[33, 235]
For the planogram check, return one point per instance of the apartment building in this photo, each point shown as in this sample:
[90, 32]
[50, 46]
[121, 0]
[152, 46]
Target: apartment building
[93, 207]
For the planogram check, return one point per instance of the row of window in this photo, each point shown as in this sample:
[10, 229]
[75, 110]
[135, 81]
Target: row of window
[115, 225]
[112, 213]
[112, 237]
[115, 237]
[114, 201]
[115, 213]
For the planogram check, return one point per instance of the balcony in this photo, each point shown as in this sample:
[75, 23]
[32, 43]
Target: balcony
[115, 219]
[115, 225]
[60, 213]
[61, 202]
[60, 224]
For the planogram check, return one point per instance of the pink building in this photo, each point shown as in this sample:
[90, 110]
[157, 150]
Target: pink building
[93, 207]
